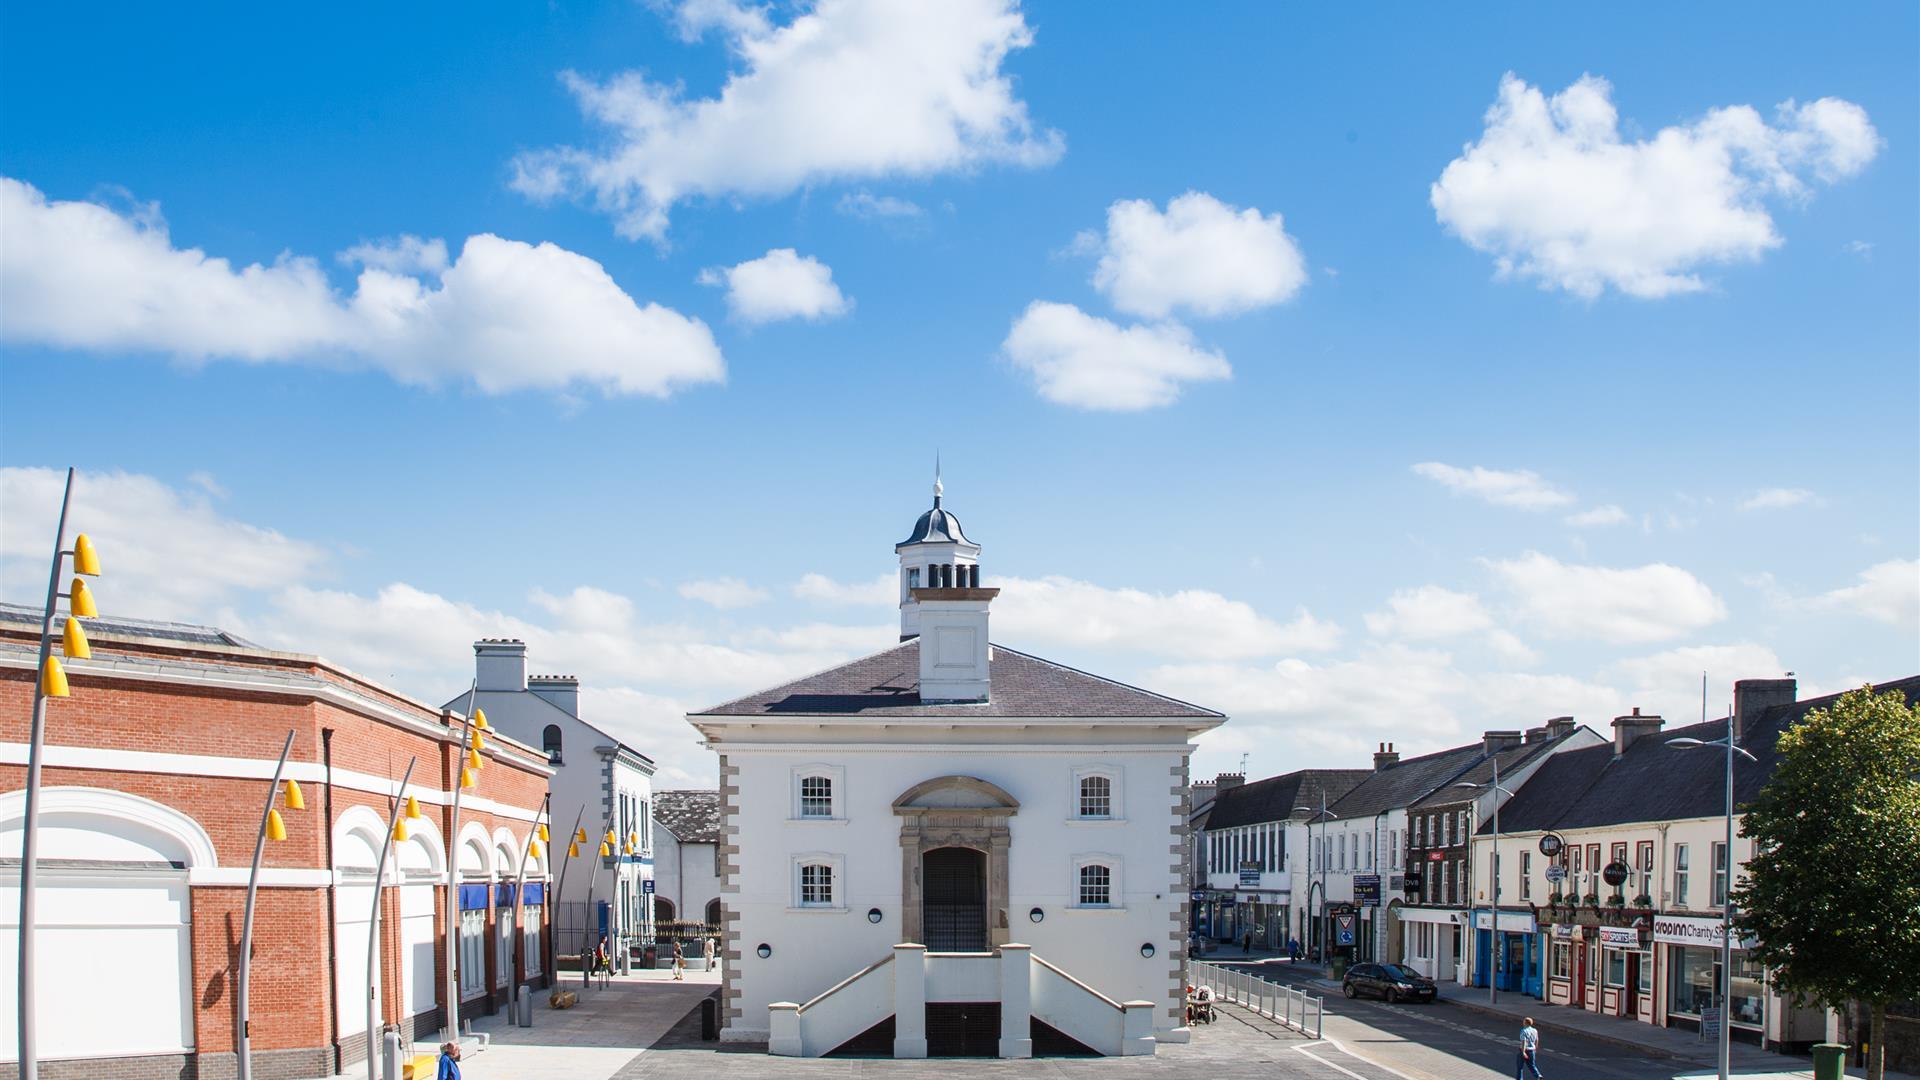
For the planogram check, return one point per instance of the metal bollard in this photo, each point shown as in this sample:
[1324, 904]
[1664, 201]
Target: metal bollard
[523, 1006]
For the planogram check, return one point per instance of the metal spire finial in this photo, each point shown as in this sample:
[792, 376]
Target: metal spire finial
[938, 489]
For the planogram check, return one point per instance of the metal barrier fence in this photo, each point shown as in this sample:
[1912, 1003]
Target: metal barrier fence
[1296, 1009]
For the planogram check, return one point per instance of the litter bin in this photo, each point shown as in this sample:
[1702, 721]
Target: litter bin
[1339, 966]
[649, 957]
[1829, 1061]
[709, 1019]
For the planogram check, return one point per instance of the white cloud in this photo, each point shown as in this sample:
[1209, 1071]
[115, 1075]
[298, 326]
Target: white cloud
[1201, 254]
[1644, 603]
[1862, 248]
[405, 255]
[848, 90]
[782, 284]
[1086, 362]
[1779, 499]
[168, 553]
[1554, 194]
[724, 593]
[1428, 613]
[505, 315]
[1888, 592]
[1598, 516]
[867, 207]
[882, 591]
[1190, 623]
[1669, 682]
[1517, 487]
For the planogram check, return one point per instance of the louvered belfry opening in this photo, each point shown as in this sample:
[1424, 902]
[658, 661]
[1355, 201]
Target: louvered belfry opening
[954, 899]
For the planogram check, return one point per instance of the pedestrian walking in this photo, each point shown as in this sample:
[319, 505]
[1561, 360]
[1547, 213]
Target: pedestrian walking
[679, 961]
[1246, 943]
[1293, 949]
[449, 1062]
[706, 950]
[1529, 1051]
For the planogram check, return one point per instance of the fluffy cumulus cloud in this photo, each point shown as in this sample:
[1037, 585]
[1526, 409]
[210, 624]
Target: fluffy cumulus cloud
[1189, 623]
[724, 593]
[782, 284]
[1087, 362]
[170, 553]
[1668, 682]
[1621, 605]
[1554, 193]
[1778, 499]
[1519, 488]
[1428, 613]
[846, 90]
[1887, 592]
[1200, 255]
[504, 315]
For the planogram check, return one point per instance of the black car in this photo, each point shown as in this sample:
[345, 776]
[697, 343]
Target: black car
[1390, 982]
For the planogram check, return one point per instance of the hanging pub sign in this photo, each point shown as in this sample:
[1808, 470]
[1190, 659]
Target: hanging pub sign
[1616, 873]
[1551, 845]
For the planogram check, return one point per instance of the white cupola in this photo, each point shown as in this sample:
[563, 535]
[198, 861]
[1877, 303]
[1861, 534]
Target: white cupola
[942, 604]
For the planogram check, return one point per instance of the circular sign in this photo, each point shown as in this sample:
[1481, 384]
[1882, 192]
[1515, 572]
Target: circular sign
[1616, 873]
[1556, 873]
[1551, 845]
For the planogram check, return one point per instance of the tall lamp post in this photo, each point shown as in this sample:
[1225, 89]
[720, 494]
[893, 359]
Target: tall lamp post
[51, 682]
[1493, 891]
[535, 837]
[1726, 908]
[470, 762]
[607, 842]
[397, 819]
[1324, 815]
[272, 827]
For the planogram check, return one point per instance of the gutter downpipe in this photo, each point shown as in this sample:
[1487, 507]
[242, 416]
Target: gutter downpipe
[333, 914]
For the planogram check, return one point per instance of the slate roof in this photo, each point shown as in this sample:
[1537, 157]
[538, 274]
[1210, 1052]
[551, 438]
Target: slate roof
[693, 817]
[1406, 782]
[888, 684]
[186, 633]
[1654, 781]
[1512, 760]
[1274, 798]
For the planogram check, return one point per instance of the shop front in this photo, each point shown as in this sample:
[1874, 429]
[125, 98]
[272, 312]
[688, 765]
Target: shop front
[1431, 941]
[1690, 946]
[1508, 950]
[1625, 985]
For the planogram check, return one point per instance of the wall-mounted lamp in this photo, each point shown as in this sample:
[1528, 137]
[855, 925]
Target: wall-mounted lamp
[765, 950]
[1036, 915]
[873, 915]
[1146, 949]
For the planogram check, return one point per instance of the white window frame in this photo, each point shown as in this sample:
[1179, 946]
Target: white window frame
[1722, 878]
[836, 777]
[504, 923]
[531, 944]
[1116, 795]
[1116, 898]
[1682, 874]
[473, 947]
[836, 864]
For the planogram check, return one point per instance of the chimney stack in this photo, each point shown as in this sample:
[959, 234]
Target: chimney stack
[1539, 734]
[1385, 757]
[562, 690]
[1626, 729]
[1228, 780]
[1560, 726]
[1493, 742]
[1751, 697]
[500, 663]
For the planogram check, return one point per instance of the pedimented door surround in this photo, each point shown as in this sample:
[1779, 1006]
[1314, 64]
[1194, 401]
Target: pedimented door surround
[954, 811]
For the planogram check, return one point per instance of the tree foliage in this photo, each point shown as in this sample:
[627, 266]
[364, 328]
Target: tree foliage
[1833, 891]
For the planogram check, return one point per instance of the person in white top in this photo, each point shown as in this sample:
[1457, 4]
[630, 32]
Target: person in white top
[1529, 1051]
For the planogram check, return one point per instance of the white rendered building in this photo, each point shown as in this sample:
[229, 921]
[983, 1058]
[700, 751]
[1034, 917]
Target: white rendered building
[952, 847]
[686, 857]
[598, 781]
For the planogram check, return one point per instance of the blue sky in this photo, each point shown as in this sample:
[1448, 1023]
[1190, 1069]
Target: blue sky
[1282, 259]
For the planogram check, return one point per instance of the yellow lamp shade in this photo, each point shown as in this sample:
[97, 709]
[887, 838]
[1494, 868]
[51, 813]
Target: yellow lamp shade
[400, 830]
[413, 808]
[276, 829]
[466, 778]
[611, 838]
[580, 835]
[479, 741]
[53, 678]
[480, 720]
[290, 794]
[605, 849]
[81, 600]
[633, 839]
[84, 559]
[473, 760]
[73, 641]
[573, 851]
[533, 849]
[542, 832]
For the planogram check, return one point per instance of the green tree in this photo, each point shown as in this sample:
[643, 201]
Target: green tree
[1833, 891]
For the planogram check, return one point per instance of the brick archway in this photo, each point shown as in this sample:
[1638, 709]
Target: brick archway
[954, 811]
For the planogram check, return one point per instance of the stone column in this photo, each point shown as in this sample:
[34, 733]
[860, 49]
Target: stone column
[909, 1001]
[783, 1023]
[1016, 1001]
[1136, 1028]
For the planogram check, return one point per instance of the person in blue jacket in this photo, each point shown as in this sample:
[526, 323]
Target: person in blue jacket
[449, 1062]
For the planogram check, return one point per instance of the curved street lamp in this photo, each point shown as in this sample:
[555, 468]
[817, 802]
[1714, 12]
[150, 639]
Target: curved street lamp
[272, 827]
[404, 808]
[1323, 815]
[1493, 891]
[1687, 742]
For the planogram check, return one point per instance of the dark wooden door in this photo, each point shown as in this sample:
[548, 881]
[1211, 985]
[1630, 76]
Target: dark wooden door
[953, 889]
[963, 1029]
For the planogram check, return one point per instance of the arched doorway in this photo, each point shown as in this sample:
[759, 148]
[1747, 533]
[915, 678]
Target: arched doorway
[953, 908]
[957, 812]
[663, 910]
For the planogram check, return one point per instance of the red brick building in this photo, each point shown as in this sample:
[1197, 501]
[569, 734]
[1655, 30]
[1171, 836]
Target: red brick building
[156, 769]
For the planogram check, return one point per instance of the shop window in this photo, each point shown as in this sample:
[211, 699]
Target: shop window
[1616, 968]
[1646, 973]
[1562, 960]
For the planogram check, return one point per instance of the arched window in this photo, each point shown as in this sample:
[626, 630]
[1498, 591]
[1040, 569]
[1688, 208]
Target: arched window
[816, 796]
[713, 913]
[550, 742]
[662, 909]
[1096, 797]
[1096, 885]
[816, 885]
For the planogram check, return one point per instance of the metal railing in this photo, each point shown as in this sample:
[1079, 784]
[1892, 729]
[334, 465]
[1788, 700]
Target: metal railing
[1296, 1009]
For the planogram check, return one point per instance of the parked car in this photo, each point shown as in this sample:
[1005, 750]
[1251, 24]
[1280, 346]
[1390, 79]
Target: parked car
[1390, 982]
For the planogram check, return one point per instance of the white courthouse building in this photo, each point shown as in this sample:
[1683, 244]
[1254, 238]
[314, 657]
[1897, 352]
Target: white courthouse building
[951, 847]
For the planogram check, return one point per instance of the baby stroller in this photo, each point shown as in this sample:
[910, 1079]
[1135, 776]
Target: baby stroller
[1199, 1006]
